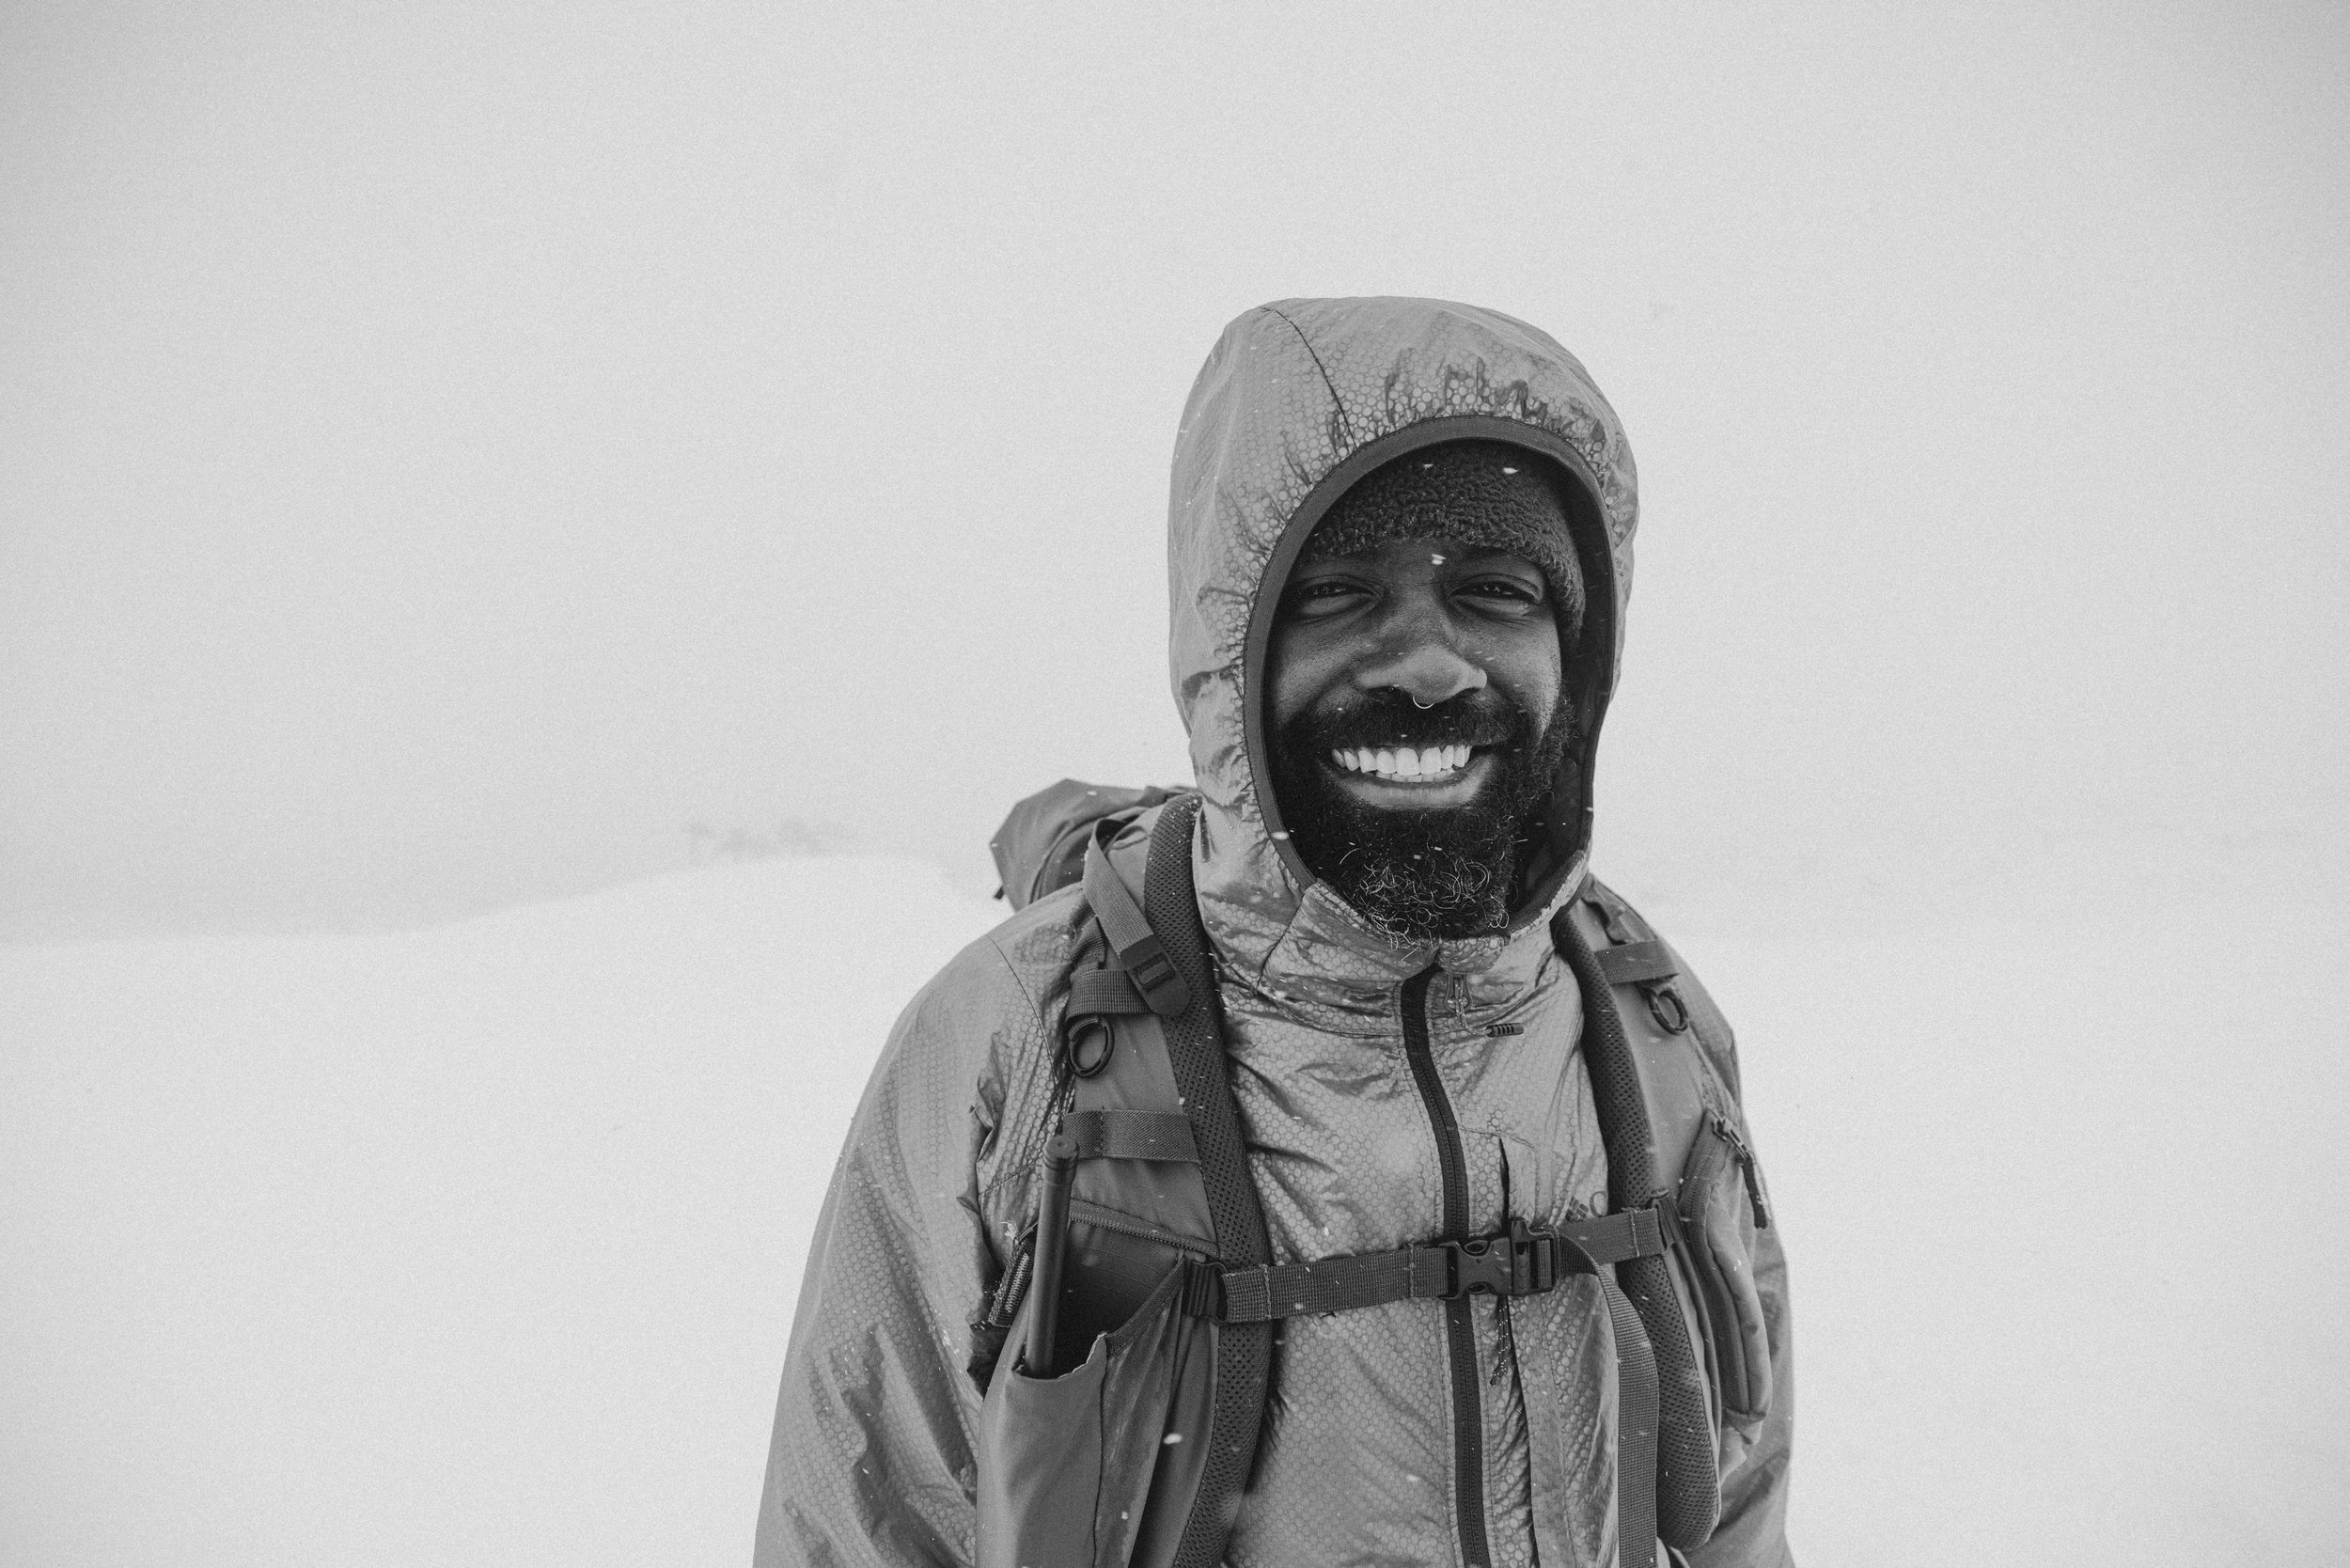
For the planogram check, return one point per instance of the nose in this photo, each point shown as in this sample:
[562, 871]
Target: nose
[1428, 672]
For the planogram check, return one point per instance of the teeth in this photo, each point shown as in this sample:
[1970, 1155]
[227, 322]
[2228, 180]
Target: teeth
[1405, 761]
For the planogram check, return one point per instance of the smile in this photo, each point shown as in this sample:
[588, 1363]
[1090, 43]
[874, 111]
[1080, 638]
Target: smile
[1436, 764]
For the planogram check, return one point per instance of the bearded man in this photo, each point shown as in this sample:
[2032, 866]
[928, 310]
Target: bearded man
[1414, 1216]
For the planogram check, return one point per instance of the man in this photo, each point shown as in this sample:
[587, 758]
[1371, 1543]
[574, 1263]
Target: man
[1399, 548]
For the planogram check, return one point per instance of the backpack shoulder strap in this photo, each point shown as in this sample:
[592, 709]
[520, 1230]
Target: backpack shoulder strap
[1141, 956]
[1650, 1110]
[1195, 1044]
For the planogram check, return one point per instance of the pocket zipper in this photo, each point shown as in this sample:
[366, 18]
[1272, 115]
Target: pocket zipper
[1744, 1156]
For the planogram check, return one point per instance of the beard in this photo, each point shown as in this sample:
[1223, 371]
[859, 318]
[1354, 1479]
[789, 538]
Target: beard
[1419, 874]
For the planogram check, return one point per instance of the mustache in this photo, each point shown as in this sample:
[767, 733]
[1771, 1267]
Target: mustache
[1483, 718]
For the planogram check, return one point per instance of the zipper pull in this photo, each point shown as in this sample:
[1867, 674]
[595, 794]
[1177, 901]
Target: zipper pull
[1744, 1156]
[1506, 1346]
[1460, 997]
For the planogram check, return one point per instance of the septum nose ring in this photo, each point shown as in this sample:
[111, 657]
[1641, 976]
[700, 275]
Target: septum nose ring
[1483, 680]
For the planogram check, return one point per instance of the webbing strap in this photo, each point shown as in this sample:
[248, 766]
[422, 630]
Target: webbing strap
[1437, 1270]
[1195, 1050]
[1139, 949]
[1104, 991]
[1132, 1135]
[1330, 1285]
[1636, 1434]
[1644, 1232]
[1635, 962]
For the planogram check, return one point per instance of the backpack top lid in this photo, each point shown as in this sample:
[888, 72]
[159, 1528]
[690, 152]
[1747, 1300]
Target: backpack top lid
[1042, 846]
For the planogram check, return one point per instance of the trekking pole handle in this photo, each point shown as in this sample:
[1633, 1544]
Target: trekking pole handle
[1052, 1248]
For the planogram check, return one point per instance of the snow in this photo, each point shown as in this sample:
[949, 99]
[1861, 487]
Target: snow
[478, 1245]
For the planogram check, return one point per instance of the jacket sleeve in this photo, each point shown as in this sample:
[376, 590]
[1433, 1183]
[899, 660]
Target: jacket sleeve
[1752, 1532]
[871, 1464]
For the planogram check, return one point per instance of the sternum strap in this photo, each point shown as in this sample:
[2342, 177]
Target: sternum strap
[1520, 1261]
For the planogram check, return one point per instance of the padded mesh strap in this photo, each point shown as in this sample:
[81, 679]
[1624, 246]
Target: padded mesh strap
[1688, 1491]
[1132, 1135]
[1195, 1049]
[1636, 1434]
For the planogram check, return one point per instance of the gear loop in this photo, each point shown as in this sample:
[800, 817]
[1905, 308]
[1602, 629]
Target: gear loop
[1090, 1043]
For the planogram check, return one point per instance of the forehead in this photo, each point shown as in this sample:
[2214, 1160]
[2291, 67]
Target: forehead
[1434, 550]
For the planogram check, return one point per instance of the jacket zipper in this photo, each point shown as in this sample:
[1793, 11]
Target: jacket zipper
[1468, 1419]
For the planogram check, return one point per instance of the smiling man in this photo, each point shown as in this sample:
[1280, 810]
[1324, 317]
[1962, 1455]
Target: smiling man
[1320, 1168]
[1415, 683]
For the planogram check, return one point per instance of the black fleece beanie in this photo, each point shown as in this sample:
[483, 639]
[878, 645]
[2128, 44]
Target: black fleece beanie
[1484, 493]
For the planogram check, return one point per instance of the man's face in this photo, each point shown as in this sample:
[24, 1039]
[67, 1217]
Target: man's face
[1412, 698]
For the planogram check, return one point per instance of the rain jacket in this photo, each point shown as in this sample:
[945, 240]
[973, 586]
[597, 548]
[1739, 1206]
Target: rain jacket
[873, 1455]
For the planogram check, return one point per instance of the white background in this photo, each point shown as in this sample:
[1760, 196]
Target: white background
[450, 450]
[445, 453]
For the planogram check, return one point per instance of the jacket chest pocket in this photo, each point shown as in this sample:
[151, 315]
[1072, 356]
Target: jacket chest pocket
[1722, 1202]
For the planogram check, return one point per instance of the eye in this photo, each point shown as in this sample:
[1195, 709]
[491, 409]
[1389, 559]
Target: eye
[1505, 596]
[1324, 596]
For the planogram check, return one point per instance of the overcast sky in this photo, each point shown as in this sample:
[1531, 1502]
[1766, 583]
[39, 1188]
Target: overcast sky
[448, 449]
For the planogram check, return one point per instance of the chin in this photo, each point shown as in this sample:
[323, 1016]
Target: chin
[1416, 862]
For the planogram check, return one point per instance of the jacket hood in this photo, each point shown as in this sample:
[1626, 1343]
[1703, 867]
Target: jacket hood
[1298, 401]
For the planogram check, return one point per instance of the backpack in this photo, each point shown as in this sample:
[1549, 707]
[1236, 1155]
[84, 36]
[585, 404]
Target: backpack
[1168, 1293]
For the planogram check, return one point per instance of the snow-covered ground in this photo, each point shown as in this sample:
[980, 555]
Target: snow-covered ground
[478, 1246]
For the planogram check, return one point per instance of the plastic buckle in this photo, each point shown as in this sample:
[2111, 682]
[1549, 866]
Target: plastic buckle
[1475, 1265]
[1533, 1259]
[1523, 1261]
[1160, 984]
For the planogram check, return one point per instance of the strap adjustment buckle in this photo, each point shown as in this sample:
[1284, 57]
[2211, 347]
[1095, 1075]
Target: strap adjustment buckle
[1204, 1289]
[1523, 1261]
[1161, 983]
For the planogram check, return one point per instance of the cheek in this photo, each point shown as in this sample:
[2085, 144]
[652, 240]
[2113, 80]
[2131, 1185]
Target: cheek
[1530, 669]
[1293, 679]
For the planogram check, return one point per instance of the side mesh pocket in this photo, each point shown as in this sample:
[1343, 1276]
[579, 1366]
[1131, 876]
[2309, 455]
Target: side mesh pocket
[1065, 1463]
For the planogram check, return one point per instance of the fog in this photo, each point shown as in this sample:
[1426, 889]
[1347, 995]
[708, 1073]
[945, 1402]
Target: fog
[456, 458]
[452, 456]
[479, 1245]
